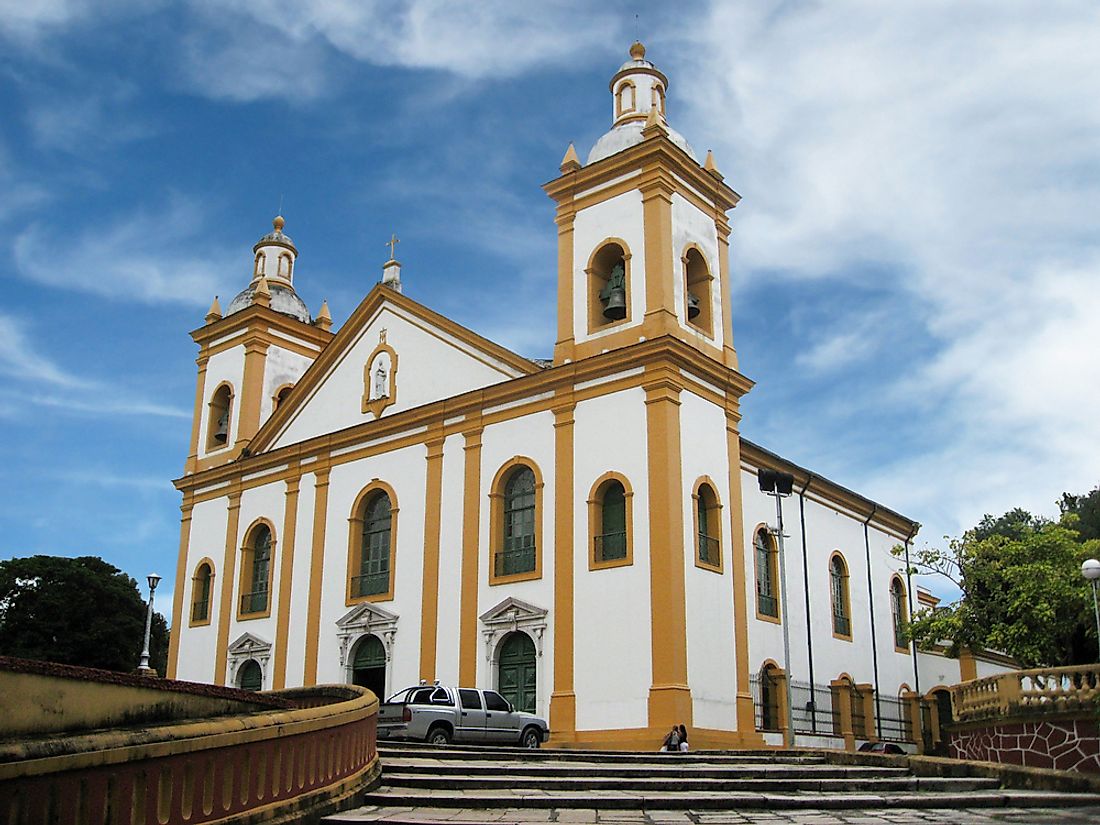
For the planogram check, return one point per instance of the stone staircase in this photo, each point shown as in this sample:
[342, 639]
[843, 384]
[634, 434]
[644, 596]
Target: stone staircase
[419, 779]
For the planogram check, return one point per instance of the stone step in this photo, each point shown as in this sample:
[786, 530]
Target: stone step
[704, 801]
[649, 785]
[474, 753]
[665, 770]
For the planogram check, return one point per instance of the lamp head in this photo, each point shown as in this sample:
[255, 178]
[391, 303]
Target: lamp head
[1090, 569]
[153, 580]
[775, 482]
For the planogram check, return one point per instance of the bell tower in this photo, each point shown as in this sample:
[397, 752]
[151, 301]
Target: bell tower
[643, 236]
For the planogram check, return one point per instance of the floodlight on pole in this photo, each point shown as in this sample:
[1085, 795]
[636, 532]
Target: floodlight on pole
[779, 484]
[143, 666]
[1090, 569]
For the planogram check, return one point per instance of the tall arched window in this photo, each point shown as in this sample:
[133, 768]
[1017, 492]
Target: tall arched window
[708, 548]
[611, 540]
[767, 602]
[518, 552]
[200, 594]
[217, 421]
[697, 291]
[838, 587]
[608, 285]
[256, 572]
[286, 266]
[258, 269]
[770, 690]
[900, 614]
[371, 544]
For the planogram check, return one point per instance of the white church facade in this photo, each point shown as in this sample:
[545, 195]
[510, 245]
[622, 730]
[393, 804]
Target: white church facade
[402, 499]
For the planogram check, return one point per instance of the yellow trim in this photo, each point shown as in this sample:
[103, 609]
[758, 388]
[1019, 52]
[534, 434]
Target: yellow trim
[496, 519]
[660, 313]
[904, 601]
[705, 322]
[729, 354]
[259, 322]
[968, 665]
[316, 574]
[308, 350]
[248, 419]
[196, 421]
[177, 598]
[286, 581]
[289, 385]
[846, 591]
[355, 542]
[248, 551]
[471, 500]
[594, 285]
[429, 606]
[773, 569]
[621, 110]
[225, 612]
[595, 520]
[717, 509]
[563, 347]
[669, 695]
[378, 405]
[209, 594]
[563, 701]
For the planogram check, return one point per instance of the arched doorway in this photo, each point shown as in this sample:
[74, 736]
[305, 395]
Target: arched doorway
[368, 666]
[516, 673]
[250, 677]
[769, 698]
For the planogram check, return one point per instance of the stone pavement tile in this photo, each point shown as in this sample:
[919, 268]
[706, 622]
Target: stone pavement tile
[576, 815]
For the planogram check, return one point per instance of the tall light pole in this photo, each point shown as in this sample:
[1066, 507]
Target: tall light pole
[1090, 569]
[779, 484]
[143, 666]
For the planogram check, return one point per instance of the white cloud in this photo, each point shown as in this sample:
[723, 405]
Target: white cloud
[154, 258]
[952, 148]
[19, 359]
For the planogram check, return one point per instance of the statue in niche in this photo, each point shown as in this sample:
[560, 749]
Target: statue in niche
[381, 382]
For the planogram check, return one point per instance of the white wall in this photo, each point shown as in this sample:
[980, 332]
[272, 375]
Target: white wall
[227, 366]
[281, 367]
[690, 225]
[207, 540]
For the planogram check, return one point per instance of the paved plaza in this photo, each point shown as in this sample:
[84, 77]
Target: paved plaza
[526, 816]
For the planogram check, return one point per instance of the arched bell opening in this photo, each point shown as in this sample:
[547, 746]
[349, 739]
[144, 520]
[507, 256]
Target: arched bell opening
[697, 292]
[517, 671]
[608, 286]
[217, 422]
[368, 665]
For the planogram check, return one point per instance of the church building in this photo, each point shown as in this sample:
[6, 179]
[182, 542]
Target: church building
[401, 499]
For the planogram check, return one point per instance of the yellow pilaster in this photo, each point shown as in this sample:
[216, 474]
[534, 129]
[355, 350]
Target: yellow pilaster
[660, 313]
[563, 349]
[286, 579]
[563, 701]
[248, 421]
[200, 391]
[181, 584]
[471, 526]
[729, 354]
[316, 575]
[669, 695]
[429, 606]
[229, 575]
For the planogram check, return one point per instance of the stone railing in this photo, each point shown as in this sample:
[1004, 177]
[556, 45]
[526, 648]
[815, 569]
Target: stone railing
[1039, 691]
[275, 766]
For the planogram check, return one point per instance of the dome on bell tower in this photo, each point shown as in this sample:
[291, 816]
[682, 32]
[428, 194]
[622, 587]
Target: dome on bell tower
[273, 262]
[637, 89]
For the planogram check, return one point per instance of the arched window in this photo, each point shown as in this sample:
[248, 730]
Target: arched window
[708, 548]
[250, 677]
[611, 540]
[372, 542]
[624, 99]
[256, 573]
[286, 266]
[697, 291]
[838, 587]
[217, 421]
[258, 269]
[518, 552]
[900, 614]
[767, 603]
[281, 396]
[659, 97]
[608, 286]
[200, 594]
[768, 706]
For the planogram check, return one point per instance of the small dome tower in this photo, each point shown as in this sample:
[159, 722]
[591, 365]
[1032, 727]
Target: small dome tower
[273, 260]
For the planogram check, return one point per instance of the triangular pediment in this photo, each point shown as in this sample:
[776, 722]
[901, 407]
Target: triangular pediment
[393, 354]
[513, 611]
[366, 616]
[249, 645]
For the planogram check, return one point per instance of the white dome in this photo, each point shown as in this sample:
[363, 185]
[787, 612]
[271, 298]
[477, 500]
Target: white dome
[283, 299]
[629, 134]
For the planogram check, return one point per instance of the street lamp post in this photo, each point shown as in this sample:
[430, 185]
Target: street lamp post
[1090, 569]
[143, 666]
[779, 484]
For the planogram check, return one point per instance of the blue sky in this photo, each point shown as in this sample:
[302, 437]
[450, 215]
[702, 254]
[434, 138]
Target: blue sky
[915, 260]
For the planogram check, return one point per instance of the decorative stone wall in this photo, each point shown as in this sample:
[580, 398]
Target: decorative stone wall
[1066, 744]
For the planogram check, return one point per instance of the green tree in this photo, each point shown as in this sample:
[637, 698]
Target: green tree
[1087, 509]
[80, 611]
[1022, 591]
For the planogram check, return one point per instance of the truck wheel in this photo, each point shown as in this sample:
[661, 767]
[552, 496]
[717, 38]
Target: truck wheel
[531, 738]
[439, 736]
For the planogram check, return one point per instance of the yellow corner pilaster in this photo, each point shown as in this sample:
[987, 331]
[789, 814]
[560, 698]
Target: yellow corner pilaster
[200, 391]
[248, 420]
[471, 526]
[429, 606]
[563, 701]
[181, 583]
[660, 312]
[563, 348]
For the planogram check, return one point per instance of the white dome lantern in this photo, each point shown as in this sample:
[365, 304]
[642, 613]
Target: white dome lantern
[273, 262]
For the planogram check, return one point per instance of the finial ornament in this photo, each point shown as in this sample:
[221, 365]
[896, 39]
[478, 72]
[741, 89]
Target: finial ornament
[324, 317]
[392, 244]
[570, 163]
[637, 50]
[215, 311]
[279, 223]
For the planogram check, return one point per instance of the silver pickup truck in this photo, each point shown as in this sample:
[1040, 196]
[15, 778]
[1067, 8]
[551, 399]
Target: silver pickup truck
[440, 715]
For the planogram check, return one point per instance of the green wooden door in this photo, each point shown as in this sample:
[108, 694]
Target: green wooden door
[250, 676]
[368, 666]
[517, 671]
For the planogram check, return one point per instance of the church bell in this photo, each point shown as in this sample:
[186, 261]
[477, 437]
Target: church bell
[693, 306]
[222, 431]
[615, 309]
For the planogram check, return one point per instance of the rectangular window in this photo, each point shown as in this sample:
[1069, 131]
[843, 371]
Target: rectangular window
[471, 699]
[494, 701]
